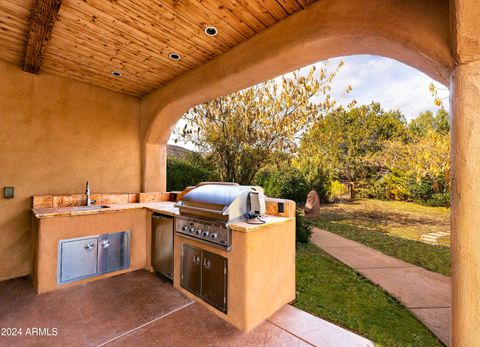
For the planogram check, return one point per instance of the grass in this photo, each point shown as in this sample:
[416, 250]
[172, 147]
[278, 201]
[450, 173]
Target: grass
[392, 228]
[334, 292]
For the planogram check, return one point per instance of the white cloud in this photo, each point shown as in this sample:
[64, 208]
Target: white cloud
[391, 83]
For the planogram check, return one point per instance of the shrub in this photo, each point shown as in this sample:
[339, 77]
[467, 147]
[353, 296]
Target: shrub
[284, 182]
[439, 199]
[322, 183]
[337, 189]
[392, 186]
[429, 191]
[303, 229]
[188, 171]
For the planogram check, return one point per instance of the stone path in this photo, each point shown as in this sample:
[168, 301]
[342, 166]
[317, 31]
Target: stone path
[426, 294]
[432, 238]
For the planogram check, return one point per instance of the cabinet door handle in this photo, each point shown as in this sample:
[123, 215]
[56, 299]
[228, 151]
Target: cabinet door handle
[105, 243]
[89, 247]
[196, 259]
[207, 264]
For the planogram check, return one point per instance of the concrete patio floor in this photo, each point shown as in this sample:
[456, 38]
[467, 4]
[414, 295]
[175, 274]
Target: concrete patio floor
[426, 294]
[142, 309]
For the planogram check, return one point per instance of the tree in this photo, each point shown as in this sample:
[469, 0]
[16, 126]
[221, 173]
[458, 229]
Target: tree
[420, 165]
[250, 129]
[427, 153]
[426, 122]
[341, 142]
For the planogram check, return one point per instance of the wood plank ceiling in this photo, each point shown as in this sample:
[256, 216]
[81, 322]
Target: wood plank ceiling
[92, 38]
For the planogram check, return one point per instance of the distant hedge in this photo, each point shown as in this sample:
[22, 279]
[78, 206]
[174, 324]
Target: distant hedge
[188, 171]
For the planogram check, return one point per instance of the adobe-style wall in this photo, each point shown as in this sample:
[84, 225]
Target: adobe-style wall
[55, 134]
[411, 31]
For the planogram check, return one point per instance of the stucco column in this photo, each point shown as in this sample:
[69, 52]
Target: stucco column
[465, 218]
[155, 167]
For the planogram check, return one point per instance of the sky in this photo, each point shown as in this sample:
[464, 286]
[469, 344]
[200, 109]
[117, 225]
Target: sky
[391, 83]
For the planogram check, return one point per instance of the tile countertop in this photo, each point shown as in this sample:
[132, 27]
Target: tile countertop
[165, 207]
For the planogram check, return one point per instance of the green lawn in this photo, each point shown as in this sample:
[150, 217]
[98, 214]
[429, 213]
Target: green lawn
[334, 292]
[392, 228]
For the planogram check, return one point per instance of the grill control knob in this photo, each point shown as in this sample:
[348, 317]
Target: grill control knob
[213, 235]
[205, 234]
[199, 231]
[184, 228]
[191, 230]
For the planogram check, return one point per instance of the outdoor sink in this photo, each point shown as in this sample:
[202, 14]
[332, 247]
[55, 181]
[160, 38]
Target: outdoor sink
[89, 208]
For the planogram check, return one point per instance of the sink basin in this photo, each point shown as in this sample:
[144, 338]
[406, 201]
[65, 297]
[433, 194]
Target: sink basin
[89, 208]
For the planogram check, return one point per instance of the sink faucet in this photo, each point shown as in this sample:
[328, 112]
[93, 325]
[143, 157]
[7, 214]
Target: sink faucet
[87, 193]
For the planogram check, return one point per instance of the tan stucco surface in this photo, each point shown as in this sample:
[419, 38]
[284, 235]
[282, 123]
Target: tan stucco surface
[55, 134]
[465, 30]
[465, 160]
[49, 231]
[261, 272]
[414, 32]
[465, 217]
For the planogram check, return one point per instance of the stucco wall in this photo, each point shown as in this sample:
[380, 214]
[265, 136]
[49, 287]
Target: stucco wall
[54, 135]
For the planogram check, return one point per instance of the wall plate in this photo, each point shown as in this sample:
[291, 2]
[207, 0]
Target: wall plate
[8, 192]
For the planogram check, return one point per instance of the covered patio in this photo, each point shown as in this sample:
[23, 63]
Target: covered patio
[90, 91]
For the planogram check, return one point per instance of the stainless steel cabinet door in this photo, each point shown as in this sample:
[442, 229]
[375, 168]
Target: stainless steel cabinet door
[190, 278]
[77, 259]
[114, 252]
[214, 280]
[162, 245]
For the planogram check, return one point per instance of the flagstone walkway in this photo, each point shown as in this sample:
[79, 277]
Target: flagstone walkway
[426, 294]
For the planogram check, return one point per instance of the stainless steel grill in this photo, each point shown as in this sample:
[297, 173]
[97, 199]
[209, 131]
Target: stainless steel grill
[208, 209]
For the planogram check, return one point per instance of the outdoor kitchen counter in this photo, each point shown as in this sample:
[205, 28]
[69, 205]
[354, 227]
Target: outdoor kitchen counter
[253, 226]
[164, 207]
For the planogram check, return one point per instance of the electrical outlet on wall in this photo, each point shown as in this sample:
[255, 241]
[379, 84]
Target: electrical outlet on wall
[8, 192]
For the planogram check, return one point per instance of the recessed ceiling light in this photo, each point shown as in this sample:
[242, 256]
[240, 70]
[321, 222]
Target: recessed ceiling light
[116, 73]
[175, 56]
[211, 31]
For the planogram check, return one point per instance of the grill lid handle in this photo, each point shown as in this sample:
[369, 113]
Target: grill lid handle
[200, 209]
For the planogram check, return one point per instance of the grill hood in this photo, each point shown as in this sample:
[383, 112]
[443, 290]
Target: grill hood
[217, 201]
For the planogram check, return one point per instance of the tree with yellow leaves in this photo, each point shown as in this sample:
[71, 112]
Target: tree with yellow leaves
[245, 131]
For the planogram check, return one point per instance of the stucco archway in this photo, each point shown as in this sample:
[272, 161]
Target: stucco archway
[413, 32]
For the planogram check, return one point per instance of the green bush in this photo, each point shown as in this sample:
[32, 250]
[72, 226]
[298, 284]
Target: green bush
[392, 186]
[322, 183]
[396, 186]
[187, 171]
[337, 189]
[421, 190]
[285, 183]
[303, 229]
[430, 191]
[439, 200]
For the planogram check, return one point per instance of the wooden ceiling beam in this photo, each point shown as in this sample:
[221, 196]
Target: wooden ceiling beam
[44, 15]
